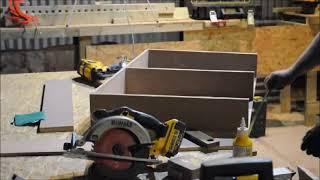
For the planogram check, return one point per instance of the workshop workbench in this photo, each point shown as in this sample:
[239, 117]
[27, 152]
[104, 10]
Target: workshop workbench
[21, 93]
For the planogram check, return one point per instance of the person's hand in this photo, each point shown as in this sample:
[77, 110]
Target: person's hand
[278, 79]
[311, 141]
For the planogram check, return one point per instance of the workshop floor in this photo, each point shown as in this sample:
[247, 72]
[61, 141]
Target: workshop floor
[282, 144]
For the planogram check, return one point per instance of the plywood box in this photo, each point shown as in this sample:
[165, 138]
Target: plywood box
[176, 87]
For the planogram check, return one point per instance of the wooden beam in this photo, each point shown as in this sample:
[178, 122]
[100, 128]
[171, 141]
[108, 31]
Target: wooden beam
[285, 99]
[83, 43]
[311, 105]
[101, 29]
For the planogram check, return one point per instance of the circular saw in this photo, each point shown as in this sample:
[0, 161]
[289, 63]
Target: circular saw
[125, 141]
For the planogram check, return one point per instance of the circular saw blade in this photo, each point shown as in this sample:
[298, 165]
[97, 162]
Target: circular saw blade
[115, 141]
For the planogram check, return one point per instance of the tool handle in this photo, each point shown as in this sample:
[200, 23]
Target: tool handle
[237, 167]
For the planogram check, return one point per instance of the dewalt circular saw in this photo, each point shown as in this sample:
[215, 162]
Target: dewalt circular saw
[125, 141]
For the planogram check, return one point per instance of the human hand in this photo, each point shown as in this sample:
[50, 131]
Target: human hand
[278, 79]
[311, 141]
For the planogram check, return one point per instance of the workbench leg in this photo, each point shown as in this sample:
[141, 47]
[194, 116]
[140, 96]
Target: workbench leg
[83, 43]
[311, 105]
[285, 99]
[80, 44]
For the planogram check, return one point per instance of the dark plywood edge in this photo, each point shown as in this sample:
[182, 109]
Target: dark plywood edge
[58, 107]
[186, 82]
[39, 146]
[202, 60]
[218, 115]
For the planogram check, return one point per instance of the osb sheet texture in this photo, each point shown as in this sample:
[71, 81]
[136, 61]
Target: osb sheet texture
[21, 93]
[277, 46]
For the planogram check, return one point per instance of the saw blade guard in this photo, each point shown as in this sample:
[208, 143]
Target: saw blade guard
[116, 135]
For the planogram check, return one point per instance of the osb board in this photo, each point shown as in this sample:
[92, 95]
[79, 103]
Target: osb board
[108, 53]
[277, 46]
[234, 39]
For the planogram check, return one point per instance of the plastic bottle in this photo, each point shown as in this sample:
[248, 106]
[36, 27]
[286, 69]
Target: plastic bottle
[242, 144]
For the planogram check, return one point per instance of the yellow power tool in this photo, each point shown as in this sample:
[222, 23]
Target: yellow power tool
[92, 70]
[125, 141]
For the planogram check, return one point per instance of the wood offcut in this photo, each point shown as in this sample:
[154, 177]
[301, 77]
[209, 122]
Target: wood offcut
[57, 105]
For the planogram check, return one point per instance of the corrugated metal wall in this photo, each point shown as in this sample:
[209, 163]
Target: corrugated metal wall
[266, 13]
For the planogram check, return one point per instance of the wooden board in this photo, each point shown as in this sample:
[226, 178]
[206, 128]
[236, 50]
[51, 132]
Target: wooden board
[101, 29]
[200, 113]
[39, 146]
[203, 60]
[57, 105]
[182, 82]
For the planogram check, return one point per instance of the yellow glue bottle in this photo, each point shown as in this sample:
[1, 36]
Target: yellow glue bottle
[242, 144]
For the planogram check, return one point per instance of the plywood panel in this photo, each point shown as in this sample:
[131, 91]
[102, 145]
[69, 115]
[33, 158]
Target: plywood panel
[115, 84]
[57, 106]
[42, 145]
[141, 61]
[190, 82]
[203, 60]
[205, 114]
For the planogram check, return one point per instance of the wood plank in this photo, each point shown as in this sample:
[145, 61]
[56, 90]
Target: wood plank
[39, 146]
[285, 99]
[182, 82]
[311, 104]
[115, 84]
[101, 29]
[203, 60]
[83, 43]
[199, 113]
[58, 107]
